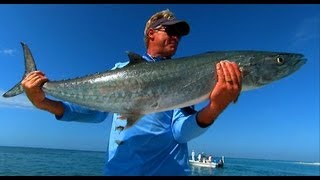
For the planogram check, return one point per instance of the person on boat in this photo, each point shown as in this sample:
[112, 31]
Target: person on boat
[203, 155]
[192, 155]
[209, 159]
[199, 157]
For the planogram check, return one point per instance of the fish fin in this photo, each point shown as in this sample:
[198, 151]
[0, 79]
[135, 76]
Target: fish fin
[16, 90]
[132, 119]
[135, 58]
[29, 66]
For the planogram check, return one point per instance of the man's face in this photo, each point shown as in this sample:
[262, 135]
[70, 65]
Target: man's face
[167, 39]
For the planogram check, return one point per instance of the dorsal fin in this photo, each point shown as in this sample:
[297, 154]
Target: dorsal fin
[135, 58]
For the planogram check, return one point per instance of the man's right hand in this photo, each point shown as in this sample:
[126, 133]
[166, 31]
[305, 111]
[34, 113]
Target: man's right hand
[32, 85]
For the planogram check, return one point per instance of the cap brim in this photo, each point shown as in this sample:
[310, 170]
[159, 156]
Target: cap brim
[181, 25]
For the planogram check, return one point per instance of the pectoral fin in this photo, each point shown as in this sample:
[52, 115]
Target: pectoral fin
[132, 119]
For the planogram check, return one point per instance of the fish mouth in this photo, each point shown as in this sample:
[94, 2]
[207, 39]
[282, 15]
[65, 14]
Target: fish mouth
[300, 62]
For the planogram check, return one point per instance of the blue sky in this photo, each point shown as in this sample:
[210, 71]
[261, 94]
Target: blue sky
[279, 121]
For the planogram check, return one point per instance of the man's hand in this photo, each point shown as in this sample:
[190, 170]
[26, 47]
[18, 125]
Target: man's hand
[226, 90]
[32, 85]
[228, 85]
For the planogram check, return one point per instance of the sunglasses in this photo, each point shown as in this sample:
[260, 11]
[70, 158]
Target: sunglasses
[170, 30]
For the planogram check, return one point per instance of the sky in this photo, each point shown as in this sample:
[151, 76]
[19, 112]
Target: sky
[279, 121]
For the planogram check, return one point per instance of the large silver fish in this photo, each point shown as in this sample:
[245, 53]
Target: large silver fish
[141, 87]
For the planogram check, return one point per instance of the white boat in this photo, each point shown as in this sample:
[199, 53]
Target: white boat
[203, 164]
[208, 164]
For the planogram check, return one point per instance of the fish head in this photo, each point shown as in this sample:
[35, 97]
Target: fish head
[262, 68]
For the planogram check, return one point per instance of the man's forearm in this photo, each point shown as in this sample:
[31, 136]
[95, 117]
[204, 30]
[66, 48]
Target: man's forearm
[52, 106]
[208, 114]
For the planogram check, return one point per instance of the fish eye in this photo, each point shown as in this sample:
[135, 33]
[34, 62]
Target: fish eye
[280, 60]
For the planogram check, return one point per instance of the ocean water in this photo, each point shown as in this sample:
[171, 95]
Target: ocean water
[20, 161]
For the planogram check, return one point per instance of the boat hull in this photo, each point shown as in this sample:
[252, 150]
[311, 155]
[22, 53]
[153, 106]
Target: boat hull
[203, 164]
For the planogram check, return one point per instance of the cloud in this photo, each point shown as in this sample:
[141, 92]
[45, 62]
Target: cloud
[9, 52]
[308, 30]
[20, 101]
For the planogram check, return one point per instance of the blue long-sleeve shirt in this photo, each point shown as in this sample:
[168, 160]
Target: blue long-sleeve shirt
[155, 145]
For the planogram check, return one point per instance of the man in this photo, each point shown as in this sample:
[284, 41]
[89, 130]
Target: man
[157, 143]
[193, 155]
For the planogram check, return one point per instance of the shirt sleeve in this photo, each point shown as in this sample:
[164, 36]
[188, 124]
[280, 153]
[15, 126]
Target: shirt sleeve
[73, 112]
[185, 127]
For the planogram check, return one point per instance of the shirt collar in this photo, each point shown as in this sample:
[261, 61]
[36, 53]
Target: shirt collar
[149, 58]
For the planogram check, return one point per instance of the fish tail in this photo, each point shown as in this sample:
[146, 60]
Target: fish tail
[29, 66]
